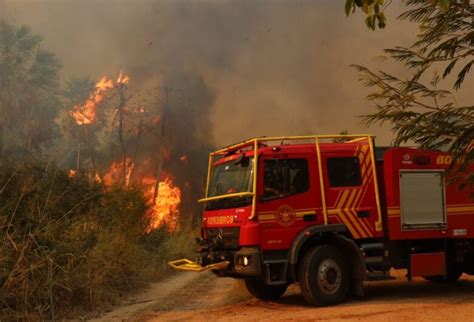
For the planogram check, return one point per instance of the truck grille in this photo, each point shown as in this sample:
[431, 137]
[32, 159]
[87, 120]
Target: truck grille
[224, 238]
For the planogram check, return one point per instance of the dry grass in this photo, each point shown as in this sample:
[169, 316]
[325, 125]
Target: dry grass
[67, 246]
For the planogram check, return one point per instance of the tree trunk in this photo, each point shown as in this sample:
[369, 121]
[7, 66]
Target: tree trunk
[160, 147]
[78, 157]
[137, 145]
[121, 112]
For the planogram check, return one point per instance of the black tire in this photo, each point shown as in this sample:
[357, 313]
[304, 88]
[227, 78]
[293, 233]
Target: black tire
[324, 276]
[264, 292]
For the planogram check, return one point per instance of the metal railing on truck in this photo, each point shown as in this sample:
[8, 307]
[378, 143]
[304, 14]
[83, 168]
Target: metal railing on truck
[257, 142]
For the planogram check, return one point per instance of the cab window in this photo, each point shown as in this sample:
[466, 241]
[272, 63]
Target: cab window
[284, 177]
[344, 172]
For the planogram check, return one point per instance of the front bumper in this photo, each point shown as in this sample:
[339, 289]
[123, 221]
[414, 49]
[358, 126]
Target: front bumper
[219, 251]
[245, 261]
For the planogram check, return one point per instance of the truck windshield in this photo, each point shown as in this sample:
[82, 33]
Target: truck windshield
[232, 177]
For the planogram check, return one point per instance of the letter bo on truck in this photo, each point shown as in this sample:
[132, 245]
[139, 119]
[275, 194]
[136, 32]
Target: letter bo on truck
[329, 212]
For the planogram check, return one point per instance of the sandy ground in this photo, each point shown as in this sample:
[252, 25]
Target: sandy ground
[204, 297]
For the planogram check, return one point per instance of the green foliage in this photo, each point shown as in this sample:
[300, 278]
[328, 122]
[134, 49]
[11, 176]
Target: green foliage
[421, 112]
[28, 88]
[68, 245]
[374, 9]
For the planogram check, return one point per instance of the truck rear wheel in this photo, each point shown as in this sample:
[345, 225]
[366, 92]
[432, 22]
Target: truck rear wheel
[264, 292]
[323, 276]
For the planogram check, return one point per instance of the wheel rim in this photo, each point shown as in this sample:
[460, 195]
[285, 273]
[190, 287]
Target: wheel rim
[329, 276]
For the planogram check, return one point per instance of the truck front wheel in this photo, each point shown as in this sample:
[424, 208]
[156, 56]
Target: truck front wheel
[323, 276]
[264, 292]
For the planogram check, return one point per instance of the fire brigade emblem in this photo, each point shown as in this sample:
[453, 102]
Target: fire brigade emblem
[285, 216]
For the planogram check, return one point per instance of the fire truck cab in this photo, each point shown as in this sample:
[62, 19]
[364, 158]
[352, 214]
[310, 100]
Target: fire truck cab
[329, 212]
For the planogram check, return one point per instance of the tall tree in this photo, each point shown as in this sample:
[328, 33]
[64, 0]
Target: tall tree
[28, 85]
[418, 109]
[74, 143]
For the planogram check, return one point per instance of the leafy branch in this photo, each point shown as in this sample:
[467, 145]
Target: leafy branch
[419, 111]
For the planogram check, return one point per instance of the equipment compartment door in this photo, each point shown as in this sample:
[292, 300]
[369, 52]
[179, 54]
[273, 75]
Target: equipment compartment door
[422, 200]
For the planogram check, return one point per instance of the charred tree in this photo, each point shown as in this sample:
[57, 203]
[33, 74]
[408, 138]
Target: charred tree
[160, 147]
[121, 115]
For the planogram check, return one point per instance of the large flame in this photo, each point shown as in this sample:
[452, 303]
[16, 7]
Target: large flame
[164, 208]
[87, 112]
[164, 203]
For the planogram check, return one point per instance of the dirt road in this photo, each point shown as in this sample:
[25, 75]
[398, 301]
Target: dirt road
[203, 297]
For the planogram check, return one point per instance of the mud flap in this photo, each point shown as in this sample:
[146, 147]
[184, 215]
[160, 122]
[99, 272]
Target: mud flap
[357, 288]
[190, 266]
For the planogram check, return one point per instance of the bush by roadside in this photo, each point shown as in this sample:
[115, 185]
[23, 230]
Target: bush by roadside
[69, 246]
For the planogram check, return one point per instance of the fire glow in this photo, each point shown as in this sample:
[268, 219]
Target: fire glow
[87, 112]
[164, 208]
[118, 170]
[72, 173]
[162, 196]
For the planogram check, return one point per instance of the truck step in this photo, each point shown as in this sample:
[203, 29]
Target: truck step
[379, 276]
[372, 246]
[374, 260]
[275, 272]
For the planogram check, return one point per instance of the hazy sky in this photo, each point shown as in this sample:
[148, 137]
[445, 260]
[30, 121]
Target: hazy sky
[275, 67]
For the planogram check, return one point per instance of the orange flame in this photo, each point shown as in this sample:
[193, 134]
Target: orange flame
[123, 79]
[97, 177]
[115, 173]
[72, 173]
[86, 113]
[164, 209]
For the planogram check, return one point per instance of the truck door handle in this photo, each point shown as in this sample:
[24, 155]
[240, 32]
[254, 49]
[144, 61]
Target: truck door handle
[310, 217]
[363, 214]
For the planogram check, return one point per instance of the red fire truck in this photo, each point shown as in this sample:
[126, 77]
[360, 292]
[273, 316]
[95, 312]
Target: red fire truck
[329, 212]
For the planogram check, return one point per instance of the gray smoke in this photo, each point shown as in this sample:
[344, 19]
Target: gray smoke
[272, 67]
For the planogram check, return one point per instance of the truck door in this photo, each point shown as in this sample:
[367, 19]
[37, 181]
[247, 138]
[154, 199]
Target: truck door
[350, 194]
[286, 202]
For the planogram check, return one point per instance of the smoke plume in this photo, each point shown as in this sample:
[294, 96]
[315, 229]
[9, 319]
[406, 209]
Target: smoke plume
[262, 67]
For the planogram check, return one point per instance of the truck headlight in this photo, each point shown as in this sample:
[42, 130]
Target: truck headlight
[246, 261]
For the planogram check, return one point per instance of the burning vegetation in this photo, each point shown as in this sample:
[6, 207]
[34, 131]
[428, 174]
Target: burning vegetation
[164, 204]
[86, 113]
[162, 196]
[99, 179]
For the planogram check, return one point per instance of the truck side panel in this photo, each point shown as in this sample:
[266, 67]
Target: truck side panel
[458, 207]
